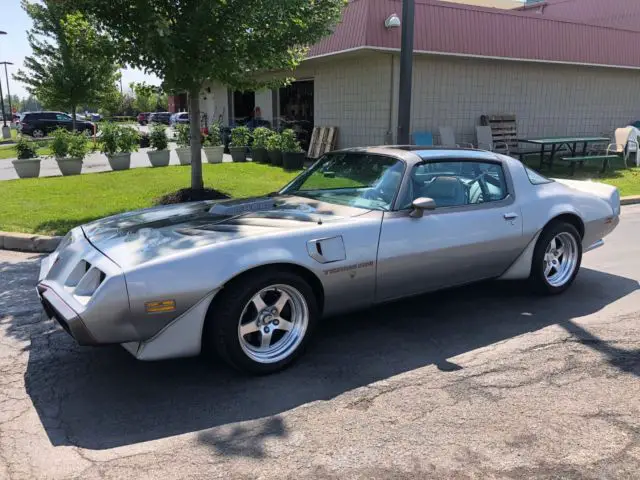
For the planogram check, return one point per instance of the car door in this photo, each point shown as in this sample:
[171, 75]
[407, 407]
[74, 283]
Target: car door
[64, 121]
[474, 233]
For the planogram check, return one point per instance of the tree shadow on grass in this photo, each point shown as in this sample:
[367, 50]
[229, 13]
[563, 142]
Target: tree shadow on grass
[101, 398]
[60, 226]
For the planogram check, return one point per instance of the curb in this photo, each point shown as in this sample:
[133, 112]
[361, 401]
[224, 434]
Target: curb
[25, 242]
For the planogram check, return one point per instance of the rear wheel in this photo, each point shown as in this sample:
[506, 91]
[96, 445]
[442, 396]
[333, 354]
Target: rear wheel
[37, 133]
[261, 323]
[556, 258]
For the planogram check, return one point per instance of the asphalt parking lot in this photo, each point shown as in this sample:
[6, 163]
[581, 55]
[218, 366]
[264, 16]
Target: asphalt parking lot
[479, 382]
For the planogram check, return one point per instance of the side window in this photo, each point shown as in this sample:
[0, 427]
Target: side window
[455, 184]
[62, 117]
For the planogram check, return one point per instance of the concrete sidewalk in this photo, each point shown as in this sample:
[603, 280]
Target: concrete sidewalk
[94, 162]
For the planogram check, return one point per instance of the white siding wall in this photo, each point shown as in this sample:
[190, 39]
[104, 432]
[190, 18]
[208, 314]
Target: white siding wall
[264, 100]
[353, 94]
[215, 103]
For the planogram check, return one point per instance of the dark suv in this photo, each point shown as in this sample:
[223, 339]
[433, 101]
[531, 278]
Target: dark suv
[40, 124]
[160, 117]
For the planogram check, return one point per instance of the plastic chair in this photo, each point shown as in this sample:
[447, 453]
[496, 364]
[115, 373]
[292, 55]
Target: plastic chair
[423, 138]
[485, 140]
[448, 139]
[623, 145]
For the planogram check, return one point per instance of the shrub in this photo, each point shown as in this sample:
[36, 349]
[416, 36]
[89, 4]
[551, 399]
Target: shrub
[240, 137]
[183, 138]
[158, 137]
[25, 149]
[60, 143]
[274, 142]
[214, 137]
[290, 142]
[78, 147]
[118, 139]
[261, 136]
[128, 140]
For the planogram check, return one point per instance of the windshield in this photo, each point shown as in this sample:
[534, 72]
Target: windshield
[355, 179]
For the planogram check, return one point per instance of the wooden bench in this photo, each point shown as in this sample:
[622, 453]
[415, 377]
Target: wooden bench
[590, 158]
[504, 132]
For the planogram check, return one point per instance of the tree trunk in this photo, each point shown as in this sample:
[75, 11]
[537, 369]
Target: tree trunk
[73, 118]
[194, 123]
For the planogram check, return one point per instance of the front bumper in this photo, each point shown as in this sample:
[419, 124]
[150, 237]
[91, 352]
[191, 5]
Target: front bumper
[55, 308]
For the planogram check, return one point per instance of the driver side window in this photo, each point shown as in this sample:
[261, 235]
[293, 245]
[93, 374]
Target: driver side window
[456, 184]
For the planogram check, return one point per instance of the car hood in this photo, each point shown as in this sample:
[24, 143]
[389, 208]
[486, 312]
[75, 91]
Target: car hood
[137, 237]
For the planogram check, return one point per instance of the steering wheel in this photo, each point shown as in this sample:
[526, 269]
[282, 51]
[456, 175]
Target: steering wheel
[375, 194]
[482, 181]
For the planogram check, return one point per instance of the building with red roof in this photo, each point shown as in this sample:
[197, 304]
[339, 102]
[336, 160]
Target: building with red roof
[563, 67]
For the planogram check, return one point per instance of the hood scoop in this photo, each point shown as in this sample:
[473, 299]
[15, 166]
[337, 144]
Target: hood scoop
[239, 207]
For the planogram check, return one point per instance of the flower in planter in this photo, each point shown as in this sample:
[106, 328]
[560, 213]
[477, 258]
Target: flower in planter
[25, 149]
[60, 142]
[128, 140]
[240, 137]
[289, 142]
[78, 147]
[118, 139]
[183, 137]
[158, 137]
[214, 137]
[261, 136]
[274, 142]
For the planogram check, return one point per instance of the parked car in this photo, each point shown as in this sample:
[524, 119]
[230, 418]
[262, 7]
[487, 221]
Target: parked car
[160, 117]
[40, 124]
[250, 278]
[179, 118]
[143, 118]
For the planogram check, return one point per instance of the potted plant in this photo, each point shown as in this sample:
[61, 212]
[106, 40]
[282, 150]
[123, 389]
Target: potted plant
[292, 154]
[117, 142]
[159, 156]
[28, 164]
[69, 149]
[259, 147]
[274, 148]
[240, 137]
[183, 139]
[213, 146]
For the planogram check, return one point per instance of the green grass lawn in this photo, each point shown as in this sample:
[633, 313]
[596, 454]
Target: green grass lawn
[14, 135]
[54, 205]
[626, 179]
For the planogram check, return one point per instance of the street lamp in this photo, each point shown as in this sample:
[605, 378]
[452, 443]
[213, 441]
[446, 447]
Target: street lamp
[6, 75]
[6, 133]
[406, 69]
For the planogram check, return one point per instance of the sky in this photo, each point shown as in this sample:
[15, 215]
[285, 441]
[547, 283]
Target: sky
[14, 47]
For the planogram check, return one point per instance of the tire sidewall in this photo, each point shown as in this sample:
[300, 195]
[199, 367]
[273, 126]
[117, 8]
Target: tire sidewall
[222, 323]
[538, 278]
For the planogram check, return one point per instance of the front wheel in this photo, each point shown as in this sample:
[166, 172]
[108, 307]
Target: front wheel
[556, 259]
[262, 323]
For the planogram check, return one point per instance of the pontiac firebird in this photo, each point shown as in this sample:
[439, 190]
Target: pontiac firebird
[249, 279]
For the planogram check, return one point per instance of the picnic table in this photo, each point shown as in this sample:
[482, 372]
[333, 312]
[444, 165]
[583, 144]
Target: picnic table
[556, 145]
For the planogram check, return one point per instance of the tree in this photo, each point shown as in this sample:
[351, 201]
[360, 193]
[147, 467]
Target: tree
[72, 62]
[245, 44]
[147, 96]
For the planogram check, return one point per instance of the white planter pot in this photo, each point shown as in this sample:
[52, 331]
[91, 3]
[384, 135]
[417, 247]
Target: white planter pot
[214, 154]
[120, 161]
[159, 158]
[27, 167]
[184, 155]
[70, 165]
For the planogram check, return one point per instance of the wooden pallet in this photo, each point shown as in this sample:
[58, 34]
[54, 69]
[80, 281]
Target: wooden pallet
[323, 140]
[503, 129]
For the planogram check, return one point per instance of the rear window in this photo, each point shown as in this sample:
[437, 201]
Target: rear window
[535, 178]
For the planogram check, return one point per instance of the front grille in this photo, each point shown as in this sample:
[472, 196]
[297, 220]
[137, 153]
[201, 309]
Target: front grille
[83, 281]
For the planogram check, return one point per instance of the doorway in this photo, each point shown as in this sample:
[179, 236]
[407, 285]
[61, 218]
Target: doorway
[243, 105]
[296, 110]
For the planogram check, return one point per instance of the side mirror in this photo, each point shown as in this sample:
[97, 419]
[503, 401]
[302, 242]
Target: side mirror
[420, 205]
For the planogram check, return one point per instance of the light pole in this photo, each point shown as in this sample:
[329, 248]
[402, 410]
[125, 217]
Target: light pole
[6, 133]
[406, 71]
[6, 75]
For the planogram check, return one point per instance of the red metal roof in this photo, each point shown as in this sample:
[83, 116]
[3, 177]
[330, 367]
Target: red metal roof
[451, 28]
[624, 14]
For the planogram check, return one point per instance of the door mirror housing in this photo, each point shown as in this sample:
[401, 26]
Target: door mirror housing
[420, 205]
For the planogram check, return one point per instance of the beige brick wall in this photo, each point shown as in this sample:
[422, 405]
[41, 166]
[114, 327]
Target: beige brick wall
[546, 99]
[354, 95]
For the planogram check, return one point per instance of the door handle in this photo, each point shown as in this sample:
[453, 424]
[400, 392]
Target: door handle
[510, 216]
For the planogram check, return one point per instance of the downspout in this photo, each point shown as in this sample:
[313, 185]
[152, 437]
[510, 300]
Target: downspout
[388, 140]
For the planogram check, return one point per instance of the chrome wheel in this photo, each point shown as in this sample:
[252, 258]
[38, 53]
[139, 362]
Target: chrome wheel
[560, 259]
[37, 133]
[273, 323]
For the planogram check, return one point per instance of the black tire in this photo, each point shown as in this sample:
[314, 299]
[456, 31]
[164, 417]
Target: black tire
[221, 325]
[538, 280]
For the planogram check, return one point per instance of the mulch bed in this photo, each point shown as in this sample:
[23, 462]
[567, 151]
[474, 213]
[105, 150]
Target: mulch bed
[188, 195]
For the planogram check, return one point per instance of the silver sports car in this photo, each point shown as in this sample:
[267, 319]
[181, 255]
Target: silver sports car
[249, 279]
